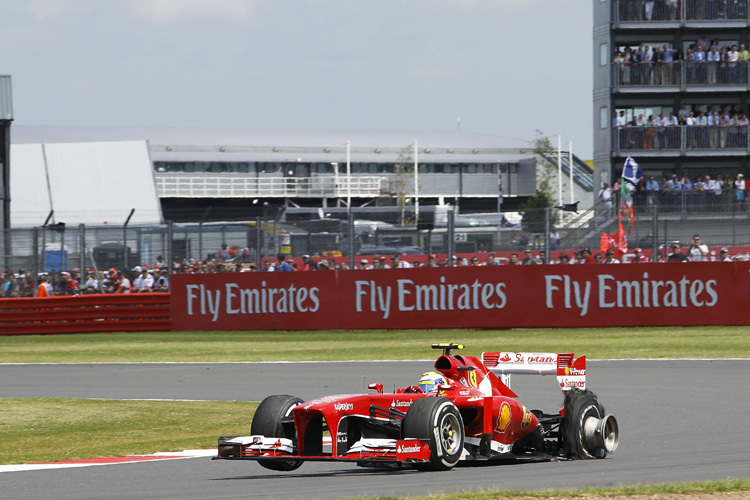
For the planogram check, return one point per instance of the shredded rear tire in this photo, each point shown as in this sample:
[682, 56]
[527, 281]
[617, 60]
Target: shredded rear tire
[579, 405]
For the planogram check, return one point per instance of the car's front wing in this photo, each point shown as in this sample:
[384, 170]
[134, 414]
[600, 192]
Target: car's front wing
[365, 450]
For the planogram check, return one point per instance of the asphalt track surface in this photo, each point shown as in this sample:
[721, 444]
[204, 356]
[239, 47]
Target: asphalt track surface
[679, 421]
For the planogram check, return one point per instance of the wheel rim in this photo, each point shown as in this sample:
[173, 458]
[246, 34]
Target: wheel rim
[450, 433]
[590, 411]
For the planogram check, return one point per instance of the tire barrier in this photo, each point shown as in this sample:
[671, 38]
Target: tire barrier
[86, 314]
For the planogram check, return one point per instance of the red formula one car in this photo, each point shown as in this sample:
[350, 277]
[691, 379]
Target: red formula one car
[461, 412]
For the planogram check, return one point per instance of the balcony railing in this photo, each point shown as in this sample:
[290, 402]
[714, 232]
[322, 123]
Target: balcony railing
[688, 203]
[681, 10]
[679, 74]
[731, 139]
[268, 187]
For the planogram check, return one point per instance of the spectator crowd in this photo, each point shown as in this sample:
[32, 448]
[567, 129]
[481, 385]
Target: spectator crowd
[706, 127]
[705, 62]
[145, 279]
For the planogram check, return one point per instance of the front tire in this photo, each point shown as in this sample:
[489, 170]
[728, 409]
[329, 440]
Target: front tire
[437, 420]
[268, 422]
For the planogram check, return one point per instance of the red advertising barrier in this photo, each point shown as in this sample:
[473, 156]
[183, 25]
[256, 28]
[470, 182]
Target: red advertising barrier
[85, 314]
[466, 297]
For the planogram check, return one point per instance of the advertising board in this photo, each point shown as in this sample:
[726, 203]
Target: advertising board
[466, 297]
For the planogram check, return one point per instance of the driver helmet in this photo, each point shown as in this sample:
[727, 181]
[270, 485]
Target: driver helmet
[430, 382]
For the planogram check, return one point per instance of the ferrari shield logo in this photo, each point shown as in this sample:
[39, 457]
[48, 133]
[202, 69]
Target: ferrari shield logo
[472, 378]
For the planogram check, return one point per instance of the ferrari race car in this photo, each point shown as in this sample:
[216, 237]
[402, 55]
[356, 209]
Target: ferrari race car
[464, 411]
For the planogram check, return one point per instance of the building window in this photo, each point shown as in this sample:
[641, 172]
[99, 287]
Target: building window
[603, 117]
[603, 54]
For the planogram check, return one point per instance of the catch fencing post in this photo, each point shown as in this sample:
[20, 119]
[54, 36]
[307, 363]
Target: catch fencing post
[125, 239]
[451, 235]
[82, 248]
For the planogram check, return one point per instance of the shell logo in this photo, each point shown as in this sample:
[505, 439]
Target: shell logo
[473, 378]
[526, 418]
[504, 418]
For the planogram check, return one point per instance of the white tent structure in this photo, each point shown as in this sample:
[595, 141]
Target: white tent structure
[92, 183]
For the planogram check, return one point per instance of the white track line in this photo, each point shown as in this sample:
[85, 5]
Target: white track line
[173, 455]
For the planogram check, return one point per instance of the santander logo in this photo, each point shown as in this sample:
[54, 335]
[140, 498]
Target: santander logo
[409, 449]
[343, 406]
[397, 403]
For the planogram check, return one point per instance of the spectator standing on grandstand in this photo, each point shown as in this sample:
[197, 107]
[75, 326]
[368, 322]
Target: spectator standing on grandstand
[160, 264]
[162, 282]
[698, 251]
[124, 285]
[9, 284]
[585, 257]
[528, 259]
[432, 261]
[475, 262]
[676, 255]
[717, 185]
[598, 259]
[45, 288]
[248, 254]
[68, 284]
[382, 263]
[724, 255]
[605, 198]
[685, 183]
[739, 187]
[144, 282]
[281, 264]
[674, 185]
[226, 253]
[621, 120]
[610, 259]
[491, 260]
[305, 264]
[712, 61]
[542, 257]
[364, 264]
[564, 259]
[514, 260]
[638, 257]
[732, 58]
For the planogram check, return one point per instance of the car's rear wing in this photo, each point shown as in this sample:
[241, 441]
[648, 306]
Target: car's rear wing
[571, 372]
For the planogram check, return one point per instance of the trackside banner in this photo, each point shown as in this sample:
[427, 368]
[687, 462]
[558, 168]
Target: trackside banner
[480, 297]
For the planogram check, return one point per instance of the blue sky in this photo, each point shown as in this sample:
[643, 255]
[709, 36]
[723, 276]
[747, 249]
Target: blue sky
[504, 67]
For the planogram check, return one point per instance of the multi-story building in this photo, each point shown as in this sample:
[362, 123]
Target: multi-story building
[194, 175]
[662, 67]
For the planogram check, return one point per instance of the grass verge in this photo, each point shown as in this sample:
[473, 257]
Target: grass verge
[52, 429]
[706, 490]
[595, 343]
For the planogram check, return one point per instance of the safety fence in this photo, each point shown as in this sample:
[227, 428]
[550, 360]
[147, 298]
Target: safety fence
[85, 314]
[658, 220]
